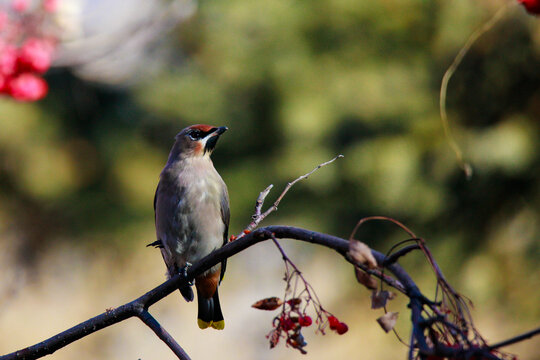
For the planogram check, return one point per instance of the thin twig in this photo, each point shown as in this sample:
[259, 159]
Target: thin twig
[161, 333]
[307, 286]
[291, 184]
[258, 216]
[466, 167]
[515, 339]
[396, 284]
[383, 218]
[260, 201]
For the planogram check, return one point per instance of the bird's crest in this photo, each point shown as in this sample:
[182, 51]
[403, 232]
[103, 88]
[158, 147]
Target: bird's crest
[202, 127]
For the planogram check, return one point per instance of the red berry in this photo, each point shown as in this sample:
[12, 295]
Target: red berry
[333, 322]
[532, 6]
[36, 55]
[286, 323]
[232, 238]
[305, 320]
[342, 328]
[27, 87]
[8, 59]
[247, 231]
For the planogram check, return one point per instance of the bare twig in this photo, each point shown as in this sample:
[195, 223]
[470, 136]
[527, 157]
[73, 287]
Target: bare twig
[465, 166]
[161, 333]
[515, 339]
[258, 216]
[259, 203]
[382, 218]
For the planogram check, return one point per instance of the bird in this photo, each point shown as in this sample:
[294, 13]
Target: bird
[191, 207]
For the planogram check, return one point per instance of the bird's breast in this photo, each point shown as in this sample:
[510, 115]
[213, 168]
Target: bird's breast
[197, 227]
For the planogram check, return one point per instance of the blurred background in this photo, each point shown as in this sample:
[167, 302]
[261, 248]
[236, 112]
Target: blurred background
[296, 82]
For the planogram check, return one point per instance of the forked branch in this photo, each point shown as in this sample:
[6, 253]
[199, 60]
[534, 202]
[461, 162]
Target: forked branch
[259, 216]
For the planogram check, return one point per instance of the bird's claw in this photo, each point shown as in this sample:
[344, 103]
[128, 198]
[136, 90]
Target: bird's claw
[184, 273]
[157, 244]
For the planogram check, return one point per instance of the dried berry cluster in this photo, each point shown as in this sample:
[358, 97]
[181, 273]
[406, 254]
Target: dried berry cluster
[292, 318]
[26, 48]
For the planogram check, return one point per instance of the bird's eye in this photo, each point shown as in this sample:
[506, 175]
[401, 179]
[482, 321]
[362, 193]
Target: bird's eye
[194, 135]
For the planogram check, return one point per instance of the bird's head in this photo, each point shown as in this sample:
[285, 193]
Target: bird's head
[197, 140]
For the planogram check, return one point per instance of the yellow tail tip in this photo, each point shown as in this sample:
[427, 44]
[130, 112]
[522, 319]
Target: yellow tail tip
[218, 325]
[203, 324]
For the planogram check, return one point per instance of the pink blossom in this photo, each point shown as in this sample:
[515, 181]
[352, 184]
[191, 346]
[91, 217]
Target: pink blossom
[20, 5]
[36, 54]
[3, 19]
[27, 87]
[50, 5]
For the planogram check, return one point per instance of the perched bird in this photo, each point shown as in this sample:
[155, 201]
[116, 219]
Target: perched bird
[192, 216]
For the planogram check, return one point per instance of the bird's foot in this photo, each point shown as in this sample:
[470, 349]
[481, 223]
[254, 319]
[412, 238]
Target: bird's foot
[184, 273]
[186, 290]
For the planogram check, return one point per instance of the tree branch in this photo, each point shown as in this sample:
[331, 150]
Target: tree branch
[163, 335]
[139, 306]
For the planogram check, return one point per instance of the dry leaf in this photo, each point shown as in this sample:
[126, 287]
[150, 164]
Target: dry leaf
[361, 253]
[365, 279]
[388, 321]
[270, 303]
[274, 338]
[379, 298]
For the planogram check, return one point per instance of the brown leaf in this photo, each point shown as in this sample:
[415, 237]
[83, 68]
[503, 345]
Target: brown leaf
[361, 253]
[274, 338]
[270, 303]
[388, 321]
[365, 279]
[379, 298]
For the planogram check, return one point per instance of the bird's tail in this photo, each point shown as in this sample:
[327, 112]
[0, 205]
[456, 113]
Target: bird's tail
[210, 312]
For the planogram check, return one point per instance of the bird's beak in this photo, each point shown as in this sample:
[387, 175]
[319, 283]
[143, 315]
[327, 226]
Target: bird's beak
[220, 130]
[213, 138]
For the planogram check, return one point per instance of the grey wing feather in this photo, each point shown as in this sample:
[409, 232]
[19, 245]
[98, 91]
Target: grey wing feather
[155, 201]
[164, 204]
[225, 216]
[157, 244]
